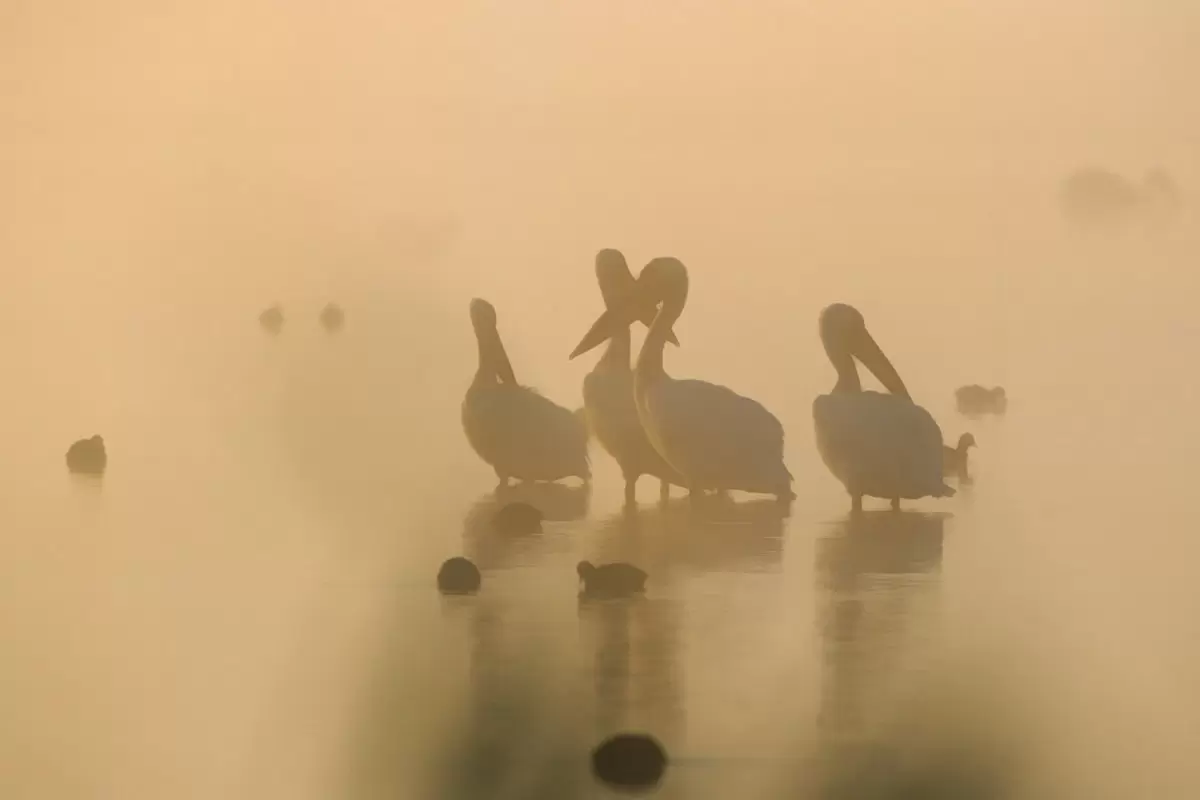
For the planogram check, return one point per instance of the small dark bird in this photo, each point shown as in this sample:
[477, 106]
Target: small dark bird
[332, 317]
[271, 319]
[87, 456]
[954, 459]
[629, 761]
[611, 580]
[517, 518]
[976, 399]
[458, 576]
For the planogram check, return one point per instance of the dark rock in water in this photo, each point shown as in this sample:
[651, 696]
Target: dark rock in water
[458, 576]
[87, 456]
[611, 580]
[332, 317]
[518, 518]
[272, 319]
[629, 761]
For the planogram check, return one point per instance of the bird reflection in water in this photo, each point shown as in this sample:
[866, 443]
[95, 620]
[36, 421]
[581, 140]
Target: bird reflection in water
[490, 548]
[873, 574]
[717, 537]
[878, 575]
[635, 668]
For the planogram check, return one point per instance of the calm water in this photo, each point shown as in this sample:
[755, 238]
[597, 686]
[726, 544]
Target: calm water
[245, 607]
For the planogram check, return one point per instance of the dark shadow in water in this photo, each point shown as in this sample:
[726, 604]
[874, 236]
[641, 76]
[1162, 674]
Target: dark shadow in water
[508, 737]
[490, 548]
[636, 672]
[728, 537]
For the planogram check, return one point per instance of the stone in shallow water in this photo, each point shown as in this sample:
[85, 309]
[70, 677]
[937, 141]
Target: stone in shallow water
[458, 576]
[629, 761]
[517, 518]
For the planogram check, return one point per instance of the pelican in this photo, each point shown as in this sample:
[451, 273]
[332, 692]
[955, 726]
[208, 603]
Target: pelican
[882, 445]
[513, 428]
[608, 403]
[714, 437]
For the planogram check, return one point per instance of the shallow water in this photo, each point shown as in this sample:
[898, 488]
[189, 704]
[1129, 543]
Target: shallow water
[244, 606]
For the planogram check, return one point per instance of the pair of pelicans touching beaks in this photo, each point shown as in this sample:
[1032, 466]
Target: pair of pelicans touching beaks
[691, 433]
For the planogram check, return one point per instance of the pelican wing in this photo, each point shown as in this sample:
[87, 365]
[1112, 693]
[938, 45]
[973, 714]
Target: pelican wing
[880, 445]
[526, 435]
[716, 437]
[613, 419]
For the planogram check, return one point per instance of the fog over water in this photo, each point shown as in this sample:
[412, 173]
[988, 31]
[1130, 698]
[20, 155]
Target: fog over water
[245, 605]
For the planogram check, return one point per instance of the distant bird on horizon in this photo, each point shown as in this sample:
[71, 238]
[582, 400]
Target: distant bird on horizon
[515, 430]
[332, 317]
[88, 456]
[955, 458]
[976, 399]
[271, 319]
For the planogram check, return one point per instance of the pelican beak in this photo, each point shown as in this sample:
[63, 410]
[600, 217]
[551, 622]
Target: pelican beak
[634, 305]
[504, 368]
[868, 352]
[646, 314]
[601, 331]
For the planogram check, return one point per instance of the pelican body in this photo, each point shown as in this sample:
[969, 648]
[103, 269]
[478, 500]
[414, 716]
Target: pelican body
[513, 428]
[712, 436]
[608, 392]
[880, 445]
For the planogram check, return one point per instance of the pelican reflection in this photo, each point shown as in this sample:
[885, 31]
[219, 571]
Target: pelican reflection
[726, 537]
[875, 575]
[635, 667]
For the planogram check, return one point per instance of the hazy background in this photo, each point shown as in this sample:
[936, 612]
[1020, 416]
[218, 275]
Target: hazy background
[205, 625]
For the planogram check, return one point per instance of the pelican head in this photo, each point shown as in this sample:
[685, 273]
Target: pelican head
[844, 334]
[627, 300]
[618, 286]
[483, 315]
[492, 357]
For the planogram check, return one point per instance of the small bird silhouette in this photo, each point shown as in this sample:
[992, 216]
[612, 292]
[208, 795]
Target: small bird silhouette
[611, 580]
[954, 459]
[88, 456]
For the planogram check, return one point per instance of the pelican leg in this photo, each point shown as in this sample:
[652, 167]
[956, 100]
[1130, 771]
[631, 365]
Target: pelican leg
[664, 491]
[895, 504]
[503, 481]
[856, 502]
[631, 490]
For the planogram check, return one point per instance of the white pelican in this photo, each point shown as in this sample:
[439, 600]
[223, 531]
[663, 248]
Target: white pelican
[714, 437]
[513, 428]
[882, 445]
[608, 403]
